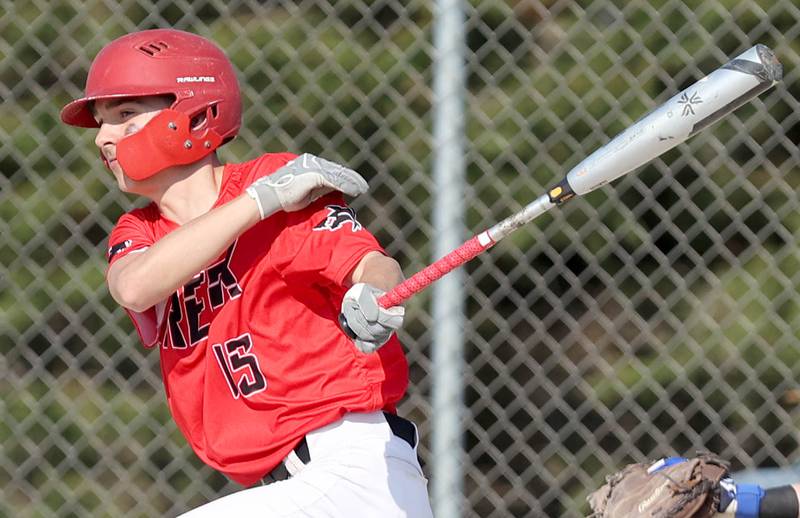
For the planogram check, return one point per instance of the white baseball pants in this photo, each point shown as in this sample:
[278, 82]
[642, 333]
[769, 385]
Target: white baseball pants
[358, 468]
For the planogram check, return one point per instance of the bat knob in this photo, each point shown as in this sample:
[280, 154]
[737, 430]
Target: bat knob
[345, 327]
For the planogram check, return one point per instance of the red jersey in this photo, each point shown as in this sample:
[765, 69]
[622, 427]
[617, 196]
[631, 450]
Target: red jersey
[252, 356]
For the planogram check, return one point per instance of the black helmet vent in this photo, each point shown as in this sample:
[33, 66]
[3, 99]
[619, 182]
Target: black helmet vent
[153, 48]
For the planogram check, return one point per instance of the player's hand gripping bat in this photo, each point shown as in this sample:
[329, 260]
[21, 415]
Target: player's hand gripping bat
[681, 117]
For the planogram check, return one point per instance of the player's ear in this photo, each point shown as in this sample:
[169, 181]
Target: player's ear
[199, 121]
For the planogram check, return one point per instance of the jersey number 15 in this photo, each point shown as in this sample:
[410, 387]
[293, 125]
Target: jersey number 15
[236, 361]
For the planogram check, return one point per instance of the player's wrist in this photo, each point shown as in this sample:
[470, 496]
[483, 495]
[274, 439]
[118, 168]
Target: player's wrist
[739, 500]
[265, 198]
[753, 501]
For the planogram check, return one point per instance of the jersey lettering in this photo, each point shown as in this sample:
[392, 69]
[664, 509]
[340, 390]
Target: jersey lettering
[194, 306]
[221, 280]
[175, 316]
[190, 308]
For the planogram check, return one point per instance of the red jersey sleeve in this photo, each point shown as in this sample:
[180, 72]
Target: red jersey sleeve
[132, 234]
[323, 242]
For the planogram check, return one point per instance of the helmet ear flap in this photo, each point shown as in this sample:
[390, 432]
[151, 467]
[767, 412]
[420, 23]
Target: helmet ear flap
[212, 114]
[203, 119]
[166, 140]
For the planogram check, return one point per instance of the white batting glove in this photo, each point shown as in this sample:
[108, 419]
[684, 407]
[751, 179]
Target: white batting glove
[367, 323]
[302, 181]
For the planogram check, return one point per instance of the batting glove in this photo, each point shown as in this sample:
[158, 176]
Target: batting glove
[302, 181]
[364, 320]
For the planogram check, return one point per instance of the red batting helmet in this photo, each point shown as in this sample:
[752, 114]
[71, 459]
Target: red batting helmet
[185, 66]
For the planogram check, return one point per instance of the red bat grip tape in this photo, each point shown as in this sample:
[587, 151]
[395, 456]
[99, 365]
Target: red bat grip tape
[420, 280]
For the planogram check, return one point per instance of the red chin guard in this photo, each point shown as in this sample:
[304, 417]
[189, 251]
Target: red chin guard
[166, 140]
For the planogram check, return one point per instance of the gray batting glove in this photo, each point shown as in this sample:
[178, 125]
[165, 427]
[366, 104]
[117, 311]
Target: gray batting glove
[302, 181]
[367, 323]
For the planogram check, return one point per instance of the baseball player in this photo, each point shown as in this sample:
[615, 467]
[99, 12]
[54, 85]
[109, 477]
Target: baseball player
[240, 274]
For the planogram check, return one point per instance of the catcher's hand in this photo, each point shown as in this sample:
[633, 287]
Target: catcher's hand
[669, 488]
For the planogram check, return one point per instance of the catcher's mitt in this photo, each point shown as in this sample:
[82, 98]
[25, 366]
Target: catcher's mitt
[669, 488]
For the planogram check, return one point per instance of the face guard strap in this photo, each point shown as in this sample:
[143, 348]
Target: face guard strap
[166, 140]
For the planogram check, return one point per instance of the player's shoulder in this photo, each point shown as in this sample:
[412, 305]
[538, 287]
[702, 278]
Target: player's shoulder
[263, 165]
[147, 215]
[135, 229]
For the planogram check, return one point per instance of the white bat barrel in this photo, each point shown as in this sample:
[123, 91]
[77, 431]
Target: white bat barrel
[688, 112]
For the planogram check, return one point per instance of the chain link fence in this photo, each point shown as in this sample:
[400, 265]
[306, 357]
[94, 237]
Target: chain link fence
[656, 316]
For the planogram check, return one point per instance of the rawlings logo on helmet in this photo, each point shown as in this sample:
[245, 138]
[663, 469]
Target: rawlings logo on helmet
[196, 79]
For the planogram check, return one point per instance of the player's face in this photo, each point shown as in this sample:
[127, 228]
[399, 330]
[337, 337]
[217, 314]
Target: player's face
[119, 118]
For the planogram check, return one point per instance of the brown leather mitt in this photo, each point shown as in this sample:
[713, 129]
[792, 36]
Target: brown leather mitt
[668, 488]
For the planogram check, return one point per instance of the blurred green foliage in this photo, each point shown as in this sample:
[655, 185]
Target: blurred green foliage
[56, 213]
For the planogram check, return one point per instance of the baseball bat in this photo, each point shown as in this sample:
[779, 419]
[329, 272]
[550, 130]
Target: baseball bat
[681, 117]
